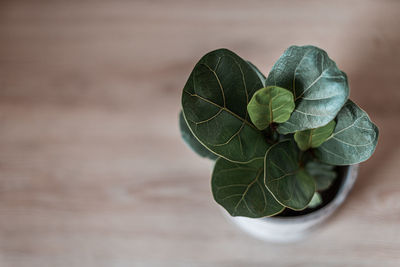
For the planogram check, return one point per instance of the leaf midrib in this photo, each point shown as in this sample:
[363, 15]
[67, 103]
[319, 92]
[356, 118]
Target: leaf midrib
[346, 128]
[223, 108]
[245, 192]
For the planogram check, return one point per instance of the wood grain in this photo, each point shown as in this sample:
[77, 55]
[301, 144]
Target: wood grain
[92, 168]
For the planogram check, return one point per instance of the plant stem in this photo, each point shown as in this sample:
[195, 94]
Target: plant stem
[271, 133]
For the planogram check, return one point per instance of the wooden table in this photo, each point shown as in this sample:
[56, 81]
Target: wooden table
[93, 171]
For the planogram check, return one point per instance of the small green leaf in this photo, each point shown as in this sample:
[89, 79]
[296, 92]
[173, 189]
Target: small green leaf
[240, 189]
[290, 184]
[353, 140]
[315, 201]
[314, 137]
[214, 103]
[320, 89]
[191, 140]
[324, 174]
[270, 104]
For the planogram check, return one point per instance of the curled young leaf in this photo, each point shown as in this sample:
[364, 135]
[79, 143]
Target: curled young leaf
[313, 137]
[353, 140]
[270, 104]
[320, 89]
[240, 189]
[290, 184]
[315, 201]
[191, 140]
[214, 103]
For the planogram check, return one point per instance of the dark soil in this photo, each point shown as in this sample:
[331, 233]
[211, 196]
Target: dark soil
[327, 195]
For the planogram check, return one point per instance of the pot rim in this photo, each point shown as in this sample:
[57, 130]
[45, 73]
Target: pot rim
[345, 187]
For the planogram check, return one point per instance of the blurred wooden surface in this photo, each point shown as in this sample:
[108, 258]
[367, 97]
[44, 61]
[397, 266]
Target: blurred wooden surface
[92, 168]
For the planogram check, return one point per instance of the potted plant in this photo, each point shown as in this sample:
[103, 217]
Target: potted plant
[286, 146]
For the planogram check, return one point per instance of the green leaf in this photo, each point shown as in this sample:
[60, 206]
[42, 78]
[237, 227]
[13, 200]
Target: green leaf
[214, 103]
[353, 140]
[320, 89]
[240, 189]
[314, 137]
[191, 140]
[259, 73]
[315, 201]
[270, 104]
[290, 184]
[324, 174]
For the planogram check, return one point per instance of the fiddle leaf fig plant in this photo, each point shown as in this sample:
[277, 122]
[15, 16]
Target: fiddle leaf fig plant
[276, 140]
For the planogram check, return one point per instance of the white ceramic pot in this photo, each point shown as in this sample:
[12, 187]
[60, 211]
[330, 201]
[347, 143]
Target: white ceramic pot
[292, 229]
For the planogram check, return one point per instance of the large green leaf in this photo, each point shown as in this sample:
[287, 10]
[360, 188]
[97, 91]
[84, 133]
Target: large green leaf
[214, 103]
[270, 104]
[353, 140]
[240, 189]
[290, 184]
[191, 140]
[320, 89]
[313, 137]
[324, 174]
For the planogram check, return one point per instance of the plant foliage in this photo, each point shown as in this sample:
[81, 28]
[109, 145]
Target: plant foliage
[276, 140]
